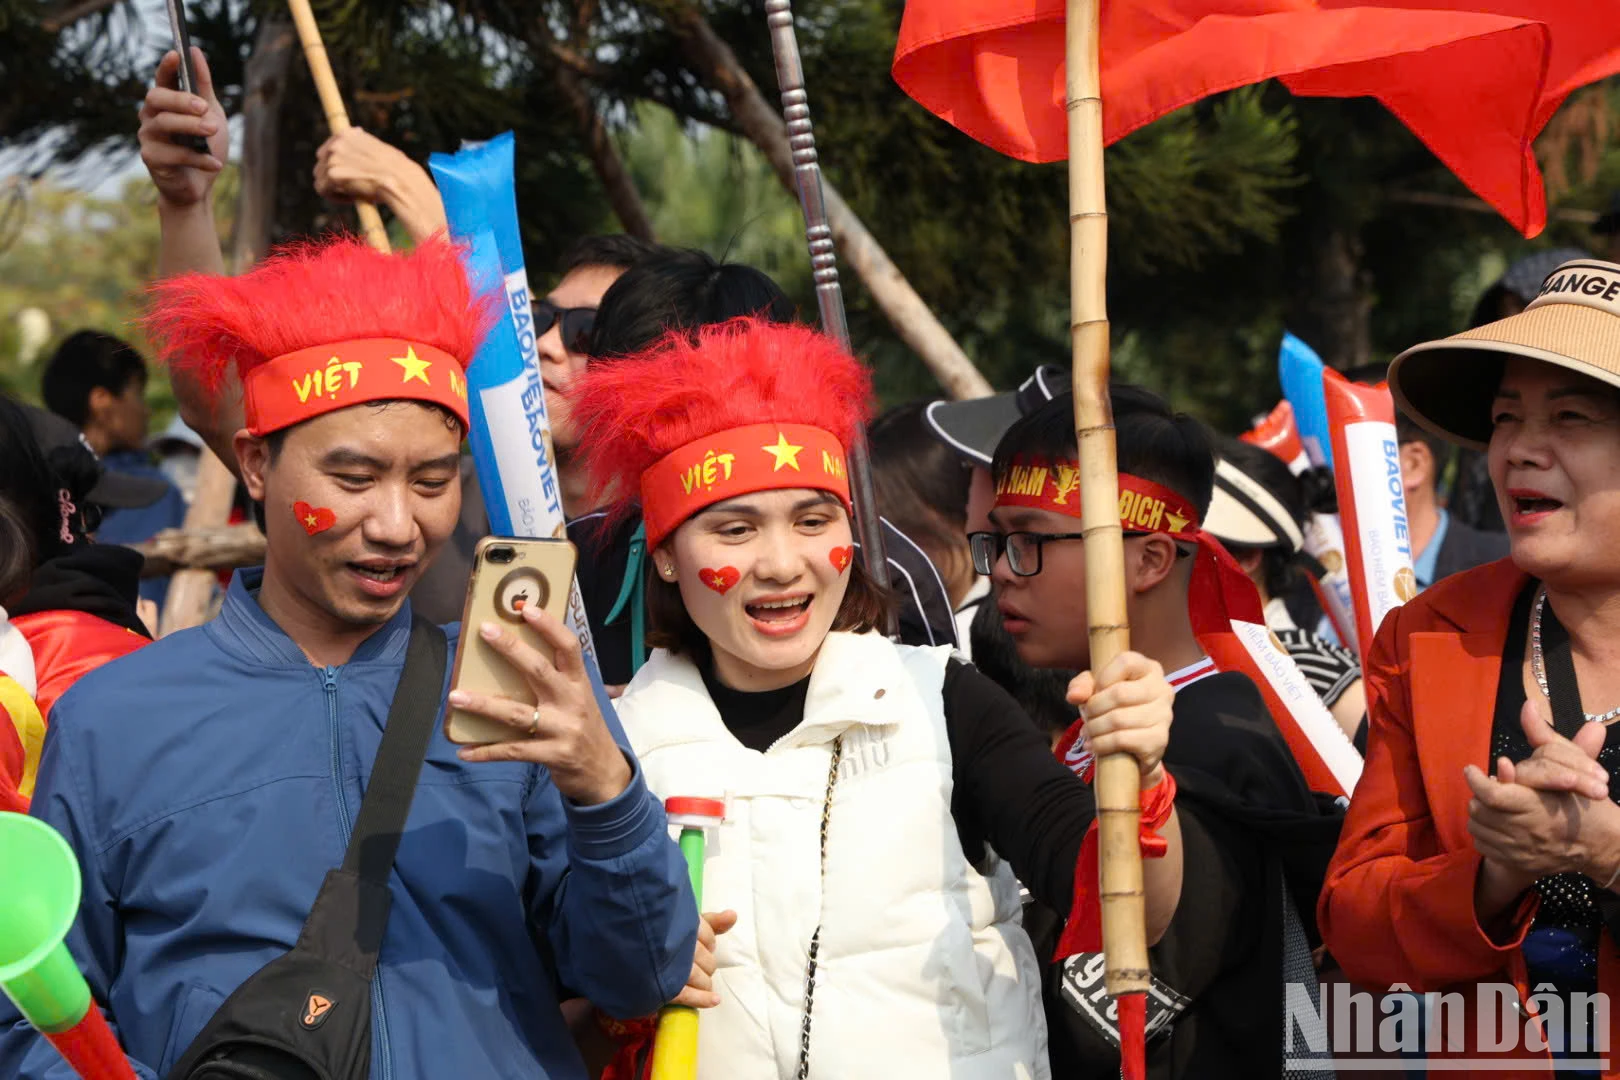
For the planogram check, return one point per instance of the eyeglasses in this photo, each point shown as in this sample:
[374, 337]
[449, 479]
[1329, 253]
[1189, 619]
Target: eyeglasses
[1023, 550]
[576, 323]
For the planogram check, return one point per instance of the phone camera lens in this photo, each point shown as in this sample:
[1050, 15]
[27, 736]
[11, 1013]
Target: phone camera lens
[501, 555]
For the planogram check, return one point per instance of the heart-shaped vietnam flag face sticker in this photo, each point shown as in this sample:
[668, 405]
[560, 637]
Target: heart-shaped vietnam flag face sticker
[721, 580]
[840, 558]
[314, 519]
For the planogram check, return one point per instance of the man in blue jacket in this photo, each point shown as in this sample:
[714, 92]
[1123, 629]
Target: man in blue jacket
[209, 783]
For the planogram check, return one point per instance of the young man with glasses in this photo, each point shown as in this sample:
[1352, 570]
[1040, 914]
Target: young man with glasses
[1221, 969]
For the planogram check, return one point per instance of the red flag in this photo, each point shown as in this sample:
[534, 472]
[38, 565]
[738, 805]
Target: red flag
[1476, 80]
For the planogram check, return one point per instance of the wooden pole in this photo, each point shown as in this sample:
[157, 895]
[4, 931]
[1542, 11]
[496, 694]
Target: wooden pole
[264, 90]
[216, 548]
[337, 118]
[1118, 783]
[190, 591]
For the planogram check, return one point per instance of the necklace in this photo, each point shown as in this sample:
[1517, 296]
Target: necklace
[1539, 670]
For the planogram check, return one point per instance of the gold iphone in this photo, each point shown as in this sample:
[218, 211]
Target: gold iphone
[508, 575]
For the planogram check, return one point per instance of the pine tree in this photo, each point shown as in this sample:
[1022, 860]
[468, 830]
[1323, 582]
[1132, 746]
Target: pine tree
[1230, 219]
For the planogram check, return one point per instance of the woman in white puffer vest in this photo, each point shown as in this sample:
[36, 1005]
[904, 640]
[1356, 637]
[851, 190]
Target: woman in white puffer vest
[870, 787]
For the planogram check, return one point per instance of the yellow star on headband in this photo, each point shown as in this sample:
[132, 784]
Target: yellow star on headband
[412, 366]
[785, 452]
[1177, 522]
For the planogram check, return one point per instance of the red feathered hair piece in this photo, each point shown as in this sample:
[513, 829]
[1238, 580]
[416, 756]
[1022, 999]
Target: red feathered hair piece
[690, 384]
[316, 293]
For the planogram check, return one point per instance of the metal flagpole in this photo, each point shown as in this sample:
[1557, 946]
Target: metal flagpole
[823, 262]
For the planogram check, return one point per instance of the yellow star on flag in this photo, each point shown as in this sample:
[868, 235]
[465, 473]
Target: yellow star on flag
[785, 452]
[412, 366]
[1177, 522]
[310, 520]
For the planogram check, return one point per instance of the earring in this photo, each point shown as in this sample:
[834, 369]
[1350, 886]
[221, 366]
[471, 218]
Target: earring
[669, 572]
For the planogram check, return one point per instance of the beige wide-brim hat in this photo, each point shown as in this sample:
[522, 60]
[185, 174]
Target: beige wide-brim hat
[1447, 386]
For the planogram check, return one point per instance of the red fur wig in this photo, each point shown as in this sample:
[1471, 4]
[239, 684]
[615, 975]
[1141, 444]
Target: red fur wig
[634, 412]
[318, 294]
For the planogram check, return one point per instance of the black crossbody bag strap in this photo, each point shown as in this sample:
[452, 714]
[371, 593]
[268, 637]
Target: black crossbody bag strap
[387, 802]
[411, 718]
[306, 1015]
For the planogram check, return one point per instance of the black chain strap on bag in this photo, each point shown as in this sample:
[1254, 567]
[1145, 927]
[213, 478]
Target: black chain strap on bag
[815, 938]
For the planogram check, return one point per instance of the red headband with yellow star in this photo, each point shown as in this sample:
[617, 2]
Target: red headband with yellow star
[1055, 485]
[300, 385]
[739, 461]
[320, 326]
[1223, 605]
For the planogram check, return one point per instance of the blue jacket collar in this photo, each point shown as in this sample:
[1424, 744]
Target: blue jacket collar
[244, 630]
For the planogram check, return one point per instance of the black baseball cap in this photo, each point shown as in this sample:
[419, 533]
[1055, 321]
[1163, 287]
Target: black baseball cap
[973, 428]
[115, 490]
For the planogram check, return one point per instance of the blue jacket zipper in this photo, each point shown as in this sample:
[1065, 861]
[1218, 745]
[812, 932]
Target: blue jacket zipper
[346, 827]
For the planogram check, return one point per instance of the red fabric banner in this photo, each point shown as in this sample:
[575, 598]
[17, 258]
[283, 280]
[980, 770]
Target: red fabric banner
[1476, 80]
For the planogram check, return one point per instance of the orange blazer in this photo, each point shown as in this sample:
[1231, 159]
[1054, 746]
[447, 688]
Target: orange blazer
[1398, 902]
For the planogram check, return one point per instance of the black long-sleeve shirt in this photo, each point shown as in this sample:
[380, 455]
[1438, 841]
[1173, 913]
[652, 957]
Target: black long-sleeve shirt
[1010, 793]
[1249, 826]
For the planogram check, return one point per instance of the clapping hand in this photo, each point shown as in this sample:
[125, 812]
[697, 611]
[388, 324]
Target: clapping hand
[1550, 813]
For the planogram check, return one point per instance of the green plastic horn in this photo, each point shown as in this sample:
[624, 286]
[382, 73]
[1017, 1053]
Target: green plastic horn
[675, 1046]
[37, 908]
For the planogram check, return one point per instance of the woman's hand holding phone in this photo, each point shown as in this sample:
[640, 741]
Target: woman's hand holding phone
[565, 732]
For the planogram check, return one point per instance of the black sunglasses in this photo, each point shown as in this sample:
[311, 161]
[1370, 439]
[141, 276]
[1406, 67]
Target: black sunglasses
[575, 323]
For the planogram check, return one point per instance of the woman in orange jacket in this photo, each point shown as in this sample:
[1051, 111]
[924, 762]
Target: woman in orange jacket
[1480, 857]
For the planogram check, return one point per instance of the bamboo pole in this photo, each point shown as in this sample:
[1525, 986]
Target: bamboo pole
[1118, 783]
[337, 117]
[190, 591]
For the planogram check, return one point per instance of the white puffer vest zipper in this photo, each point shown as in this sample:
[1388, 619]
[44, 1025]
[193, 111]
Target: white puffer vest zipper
[924, 968]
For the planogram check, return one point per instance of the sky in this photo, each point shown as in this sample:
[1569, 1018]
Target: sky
[105, 175]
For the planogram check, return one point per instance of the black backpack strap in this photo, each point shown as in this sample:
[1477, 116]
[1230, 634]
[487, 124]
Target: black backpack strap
[411, 719]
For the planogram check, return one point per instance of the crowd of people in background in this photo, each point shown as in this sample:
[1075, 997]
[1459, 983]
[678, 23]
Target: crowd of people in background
[904, 884]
